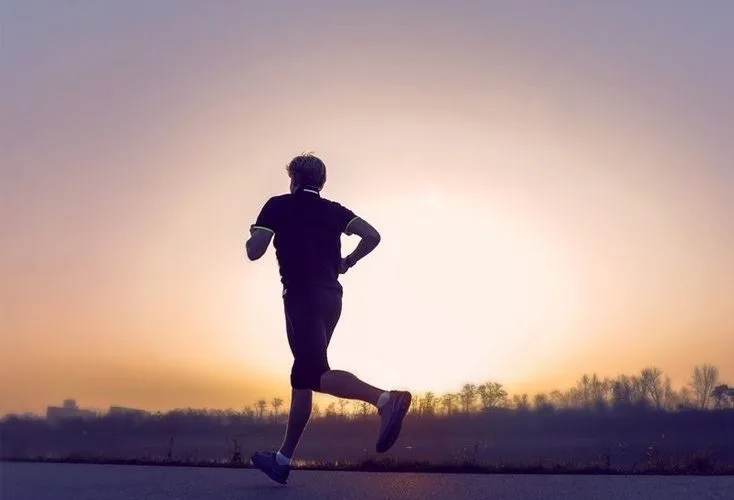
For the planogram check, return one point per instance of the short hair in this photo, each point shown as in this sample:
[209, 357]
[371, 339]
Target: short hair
[307, 170]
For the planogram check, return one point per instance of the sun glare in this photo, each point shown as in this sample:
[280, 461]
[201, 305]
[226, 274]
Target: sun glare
[450, 299]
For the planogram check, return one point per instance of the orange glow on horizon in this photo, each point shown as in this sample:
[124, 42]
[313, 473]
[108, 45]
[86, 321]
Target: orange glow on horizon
[549, 204]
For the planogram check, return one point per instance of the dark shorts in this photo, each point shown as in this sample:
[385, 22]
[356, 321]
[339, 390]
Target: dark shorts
[311, 316]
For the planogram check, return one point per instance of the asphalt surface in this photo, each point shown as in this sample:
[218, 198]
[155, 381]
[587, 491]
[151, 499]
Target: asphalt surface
[33, 481]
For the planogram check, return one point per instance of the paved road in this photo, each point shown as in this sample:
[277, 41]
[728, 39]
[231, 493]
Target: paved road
[28, 481]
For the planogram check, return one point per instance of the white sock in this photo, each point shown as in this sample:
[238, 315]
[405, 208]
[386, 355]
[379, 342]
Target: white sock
[383, 399]
[282, 459]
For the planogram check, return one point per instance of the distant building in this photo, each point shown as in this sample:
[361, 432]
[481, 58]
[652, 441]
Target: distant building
[121, 410]
[69, 409]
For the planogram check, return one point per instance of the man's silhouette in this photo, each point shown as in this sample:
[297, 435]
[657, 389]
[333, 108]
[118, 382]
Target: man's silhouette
[307, 230]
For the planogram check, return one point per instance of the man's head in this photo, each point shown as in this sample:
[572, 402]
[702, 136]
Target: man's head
[307, 171]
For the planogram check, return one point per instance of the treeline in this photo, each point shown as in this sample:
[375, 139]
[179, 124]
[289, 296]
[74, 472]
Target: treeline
[620, 419]
[650, 389]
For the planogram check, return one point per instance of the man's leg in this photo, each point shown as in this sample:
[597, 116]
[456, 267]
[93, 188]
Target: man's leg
[277, 465]
[298, 417]
[308, 340]
[345, 385]
[392, 405]
[340, 383]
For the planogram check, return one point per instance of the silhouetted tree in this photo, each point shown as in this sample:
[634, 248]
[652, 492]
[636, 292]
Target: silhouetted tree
[331, 410]
[574, 398]
[428, 404]
[448, 401]
[653, 387]
[559, 399]
[416, 406]
[542, 402]
[669, 396]
[521, 402]
[248, 412]
[627, 392]
[686, 399]
[600, 391]
[276, 403]
[720, 394]
[261, 405]
[467, 396]
[702, 383]
[590, 393]
[343, 404]
[492, 395]
[582, 394]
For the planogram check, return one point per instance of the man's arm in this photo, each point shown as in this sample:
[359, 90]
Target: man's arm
[258, 243]
[370, 238]
[261, 232]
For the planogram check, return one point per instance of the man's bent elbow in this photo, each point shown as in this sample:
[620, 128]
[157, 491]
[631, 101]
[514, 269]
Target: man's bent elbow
[375, 238]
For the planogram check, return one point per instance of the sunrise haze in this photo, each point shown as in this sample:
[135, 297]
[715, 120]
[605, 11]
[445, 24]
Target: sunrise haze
[553, 182]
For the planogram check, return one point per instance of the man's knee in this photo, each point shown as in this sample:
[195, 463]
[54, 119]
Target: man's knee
[308, 376]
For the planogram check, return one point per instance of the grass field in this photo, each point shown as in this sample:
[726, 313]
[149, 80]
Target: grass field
[696, 442]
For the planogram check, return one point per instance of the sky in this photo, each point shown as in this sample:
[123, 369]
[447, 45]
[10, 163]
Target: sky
[553, 182]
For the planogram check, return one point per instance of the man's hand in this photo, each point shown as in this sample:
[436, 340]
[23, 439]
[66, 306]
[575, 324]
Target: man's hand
[344, 265]
[370, 238]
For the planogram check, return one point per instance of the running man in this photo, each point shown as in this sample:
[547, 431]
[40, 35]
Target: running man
[307, 230]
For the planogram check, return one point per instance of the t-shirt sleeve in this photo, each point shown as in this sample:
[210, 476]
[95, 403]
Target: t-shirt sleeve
[342, 216]
[269, 216]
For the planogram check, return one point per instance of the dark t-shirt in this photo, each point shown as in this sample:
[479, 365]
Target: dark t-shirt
[307, 241]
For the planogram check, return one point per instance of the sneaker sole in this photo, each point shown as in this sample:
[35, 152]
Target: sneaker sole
[396, 423]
